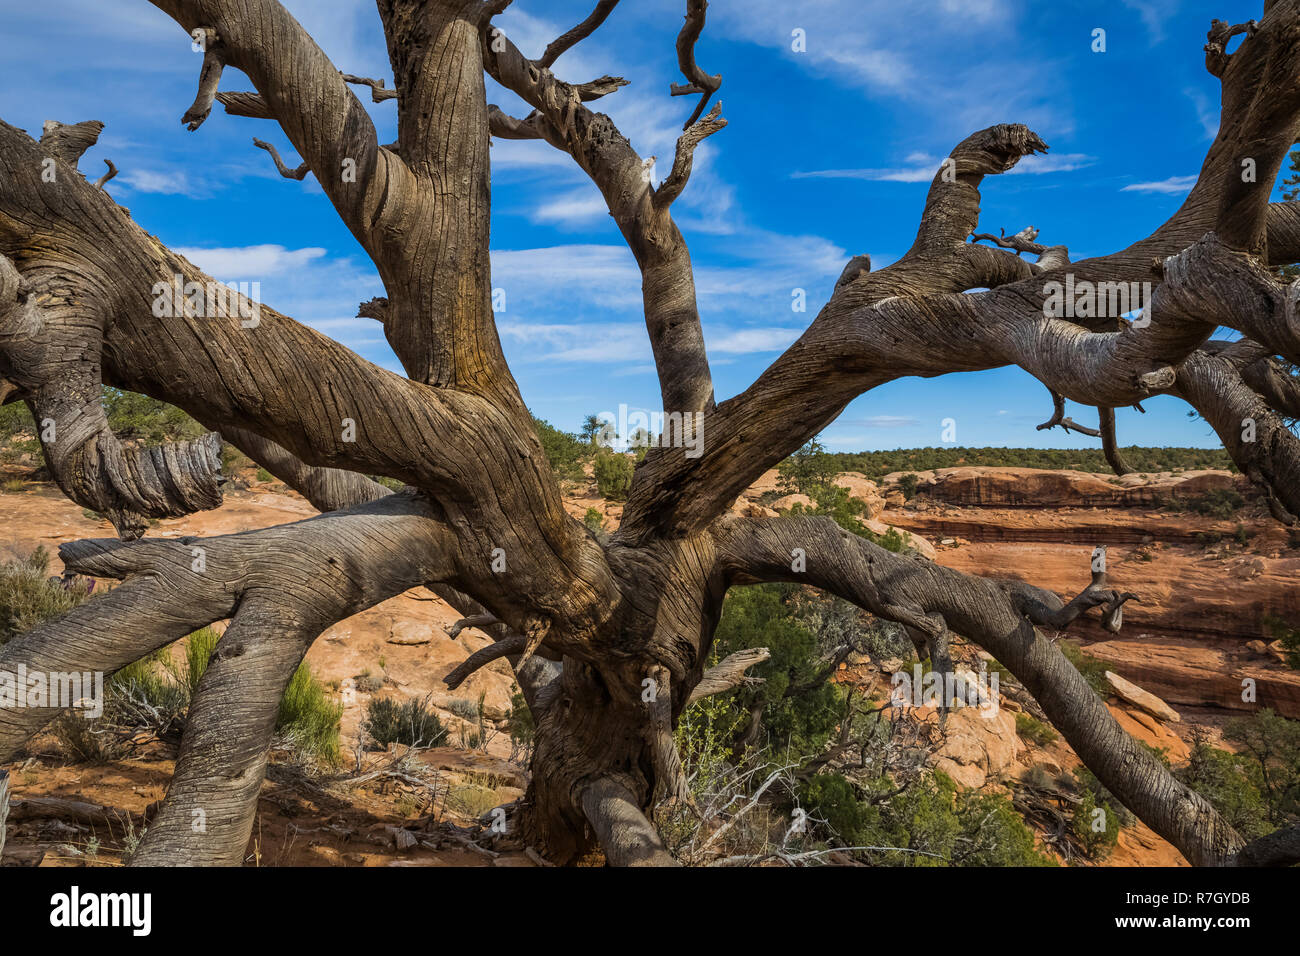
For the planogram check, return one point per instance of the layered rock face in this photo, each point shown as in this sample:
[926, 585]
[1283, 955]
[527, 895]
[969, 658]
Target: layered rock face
[1037, 488]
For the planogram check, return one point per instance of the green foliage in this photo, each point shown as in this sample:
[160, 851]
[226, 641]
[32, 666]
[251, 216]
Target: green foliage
[309, 717]
[141, 418]
[1093, 670]
[198, 652]
[594, 520]
[27, 597]
[413, 723]
[613, 475]
[907, 485]
[16, 418]
[876, 464]
[934, 823]
[592, 428]
[1220, 503]
[564, 451]
[1096, 825]
[830, 799]
[1289, 637]
[1231, 782]
[1034, 730]
[1273, 743]
[799, 708]
[808, 470]
[264, 475]
[520, 720]
[848, 512]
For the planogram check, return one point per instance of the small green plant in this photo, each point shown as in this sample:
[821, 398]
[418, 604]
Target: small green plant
[1288, 636]
[594, 520]
[309, 717]
[264, 475]
[613, 473]
[907, 485]
[464, 708]
[520, 723]
[12, 486]
[1034, 730]
[194, 663]
[1096, 826]
[28, 597]
[413, 723]
[1093, 670]
[1219, 503]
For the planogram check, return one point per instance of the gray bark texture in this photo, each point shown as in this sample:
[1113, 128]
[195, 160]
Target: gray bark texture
[584, 622]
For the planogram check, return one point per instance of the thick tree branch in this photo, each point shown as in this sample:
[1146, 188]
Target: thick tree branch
[697, 81]
[557, 47]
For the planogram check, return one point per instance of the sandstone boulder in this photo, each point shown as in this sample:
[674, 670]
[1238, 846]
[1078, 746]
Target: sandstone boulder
[789, 501]
[977, 746]
[863, 489]
[1135, 695]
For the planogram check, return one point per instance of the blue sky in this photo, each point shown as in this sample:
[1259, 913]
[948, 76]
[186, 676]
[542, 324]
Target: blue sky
[828, 153]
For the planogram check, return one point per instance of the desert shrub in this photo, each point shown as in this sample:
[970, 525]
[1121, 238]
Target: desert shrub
[907, 485]
[877, 464]
[1231, 783]
[935, 823]
[464, 708]
[194, 661]
[594, 520]
[232, 459]
[1272, 743]
[1218, 503]
[613, 475]
[836, 503]
[27, 597]
[472, 798]
[309, 716]
[15, 418]
[564, 452]
[83, 740]
[368, 683]
[1288, 636]
[145, 419]
[808, 470]
[264, 475]
[520, 720]
[1093, 670]
[798, 708]
[412, 722]
[1034, 730]
[830, 800]
[1096, 825]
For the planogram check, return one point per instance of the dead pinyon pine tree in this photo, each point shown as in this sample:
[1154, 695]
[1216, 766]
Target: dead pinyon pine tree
[583, 623]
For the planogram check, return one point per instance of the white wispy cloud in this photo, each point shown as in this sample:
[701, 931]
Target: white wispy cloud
[917, 66]
[249, 263]
[579, 207]
[1172, 185]
[172, 182]
[885, 421]
[922, 167]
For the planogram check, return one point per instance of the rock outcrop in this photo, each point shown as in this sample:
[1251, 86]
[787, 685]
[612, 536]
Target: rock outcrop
[1039, 488]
